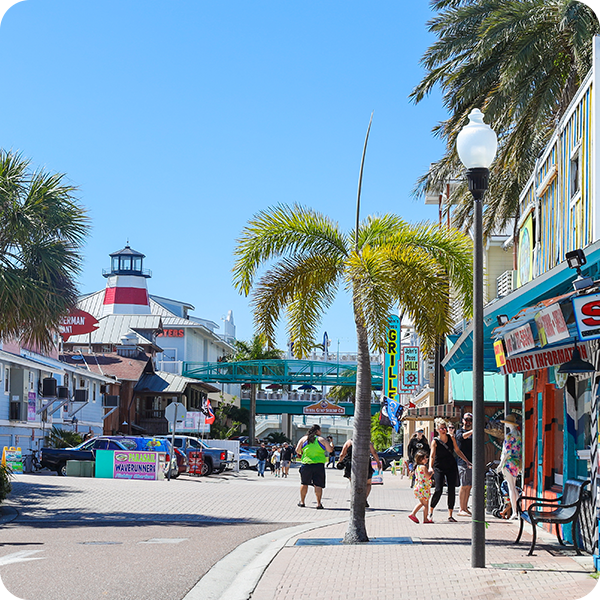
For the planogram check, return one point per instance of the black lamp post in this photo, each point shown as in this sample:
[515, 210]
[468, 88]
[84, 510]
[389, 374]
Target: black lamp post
[476, 145]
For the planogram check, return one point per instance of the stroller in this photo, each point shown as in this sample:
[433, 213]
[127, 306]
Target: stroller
[497, 495]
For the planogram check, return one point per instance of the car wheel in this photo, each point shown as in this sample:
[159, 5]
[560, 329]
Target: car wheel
[207, 468]
[244, 464]
[62, 469]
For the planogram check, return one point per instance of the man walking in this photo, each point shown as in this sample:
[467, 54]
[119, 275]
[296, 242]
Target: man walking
[262, 454]
[464, 439]
[286, 459]
[418, 443]
[313, 449]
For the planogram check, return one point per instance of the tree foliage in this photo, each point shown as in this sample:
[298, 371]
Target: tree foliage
[62, 438]
[42, 229]
[520, 62]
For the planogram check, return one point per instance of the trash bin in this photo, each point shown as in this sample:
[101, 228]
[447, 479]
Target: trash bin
[28, 463]
[87, 468]
[73, 468]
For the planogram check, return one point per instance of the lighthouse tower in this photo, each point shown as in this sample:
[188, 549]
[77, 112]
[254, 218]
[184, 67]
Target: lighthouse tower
[126, 290]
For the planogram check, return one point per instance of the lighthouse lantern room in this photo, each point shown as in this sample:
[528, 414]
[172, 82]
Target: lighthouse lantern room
[126, 289]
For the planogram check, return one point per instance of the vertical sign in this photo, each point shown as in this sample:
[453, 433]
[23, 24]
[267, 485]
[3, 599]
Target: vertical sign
[31, 406]
[410, 366]
[392, 349]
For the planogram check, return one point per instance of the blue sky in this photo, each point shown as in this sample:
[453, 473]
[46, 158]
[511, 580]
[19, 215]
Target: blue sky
[178, 120]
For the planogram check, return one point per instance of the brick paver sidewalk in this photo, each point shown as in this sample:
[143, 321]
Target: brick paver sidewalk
[435, 565]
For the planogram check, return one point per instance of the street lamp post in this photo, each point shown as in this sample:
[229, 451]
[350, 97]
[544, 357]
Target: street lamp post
[476, 145]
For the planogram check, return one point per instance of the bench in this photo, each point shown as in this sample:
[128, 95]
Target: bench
[564, 509]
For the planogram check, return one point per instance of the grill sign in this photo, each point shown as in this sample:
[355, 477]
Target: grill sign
[77, 322]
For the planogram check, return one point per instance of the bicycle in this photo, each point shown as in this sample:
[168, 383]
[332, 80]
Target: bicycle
[32, 463]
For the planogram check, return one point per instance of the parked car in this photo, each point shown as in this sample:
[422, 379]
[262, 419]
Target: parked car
[248, 460]
[392, 453]
[214, 459]
[56, 459]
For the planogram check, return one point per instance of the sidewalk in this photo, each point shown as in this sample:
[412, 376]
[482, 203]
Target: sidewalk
[432, 561]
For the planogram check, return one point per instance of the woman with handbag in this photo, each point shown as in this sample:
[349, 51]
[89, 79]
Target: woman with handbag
[346, 460]
[443, 464]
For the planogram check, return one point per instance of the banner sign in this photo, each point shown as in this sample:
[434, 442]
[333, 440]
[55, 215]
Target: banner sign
[31, 406]
[192, 423]
[12, 458]
[410, 366]
[519, 340]
[136, 465]
[540, 359]
[551, 325]
[77, 322]
[392, 352]
[324, 407]
[587, 316]
[499, 353]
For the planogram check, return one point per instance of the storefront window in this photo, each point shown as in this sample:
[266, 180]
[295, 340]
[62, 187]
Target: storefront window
[584, 426]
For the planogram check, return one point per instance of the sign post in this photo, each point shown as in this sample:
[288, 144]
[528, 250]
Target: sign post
[175, 413]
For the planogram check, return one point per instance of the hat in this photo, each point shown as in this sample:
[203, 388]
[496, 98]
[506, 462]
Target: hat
[510, 419]
[468, 415]
[419, 431]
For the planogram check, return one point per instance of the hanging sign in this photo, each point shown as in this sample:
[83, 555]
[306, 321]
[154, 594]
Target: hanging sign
[540, 359]
[31, 406]
[499, 353]
[77, 322]
[551, 325]
[587, 316]
[392, 353]
[324, 407]
[519, 340]
[410, 366]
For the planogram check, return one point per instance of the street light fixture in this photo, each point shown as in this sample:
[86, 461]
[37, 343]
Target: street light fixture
[476, 145]
[576, 259]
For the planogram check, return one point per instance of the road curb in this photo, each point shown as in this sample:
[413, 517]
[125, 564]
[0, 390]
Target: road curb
[227, 581]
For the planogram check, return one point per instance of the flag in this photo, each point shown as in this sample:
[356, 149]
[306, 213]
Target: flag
[394, 413]
[325, 345]
[209, 414]
[384, 417]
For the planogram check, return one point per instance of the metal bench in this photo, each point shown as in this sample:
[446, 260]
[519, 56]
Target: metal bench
[564, 509]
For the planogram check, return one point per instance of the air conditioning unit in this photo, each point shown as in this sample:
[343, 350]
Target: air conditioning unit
[49, 386]
[81, 396]
[63, 392]
[110, 401]
[14, 413]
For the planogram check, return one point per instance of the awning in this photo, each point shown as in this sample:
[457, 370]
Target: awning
[461, 387]
[554, 283]
[429, 413]
[29, 363]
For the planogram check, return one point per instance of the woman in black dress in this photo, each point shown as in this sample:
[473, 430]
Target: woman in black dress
[444, 466]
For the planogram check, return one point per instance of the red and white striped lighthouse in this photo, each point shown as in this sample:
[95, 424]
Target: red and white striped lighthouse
[126, 290]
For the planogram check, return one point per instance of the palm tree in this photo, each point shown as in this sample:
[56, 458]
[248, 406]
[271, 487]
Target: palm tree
[384, 264]
[42, 228]
[255, 349]
[521, 62]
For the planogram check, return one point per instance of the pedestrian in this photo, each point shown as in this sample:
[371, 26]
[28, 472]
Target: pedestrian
[332, 453]
[312, 450]
[422, 487]
[418, 443]
[464, 439]
[444, 467]
[277, 461]
[262, 454]
[346, 456]
[286, 459]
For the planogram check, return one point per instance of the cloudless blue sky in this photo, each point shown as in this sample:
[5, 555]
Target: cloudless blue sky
[179, 119]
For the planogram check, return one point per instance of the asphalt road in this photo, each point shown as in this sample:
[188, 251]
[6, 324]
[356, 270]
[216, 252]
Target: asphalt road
[85, 539]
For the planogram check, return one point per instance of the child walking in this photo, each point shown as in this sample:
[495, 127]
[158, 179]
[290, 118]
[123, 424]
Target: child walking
[422, 487]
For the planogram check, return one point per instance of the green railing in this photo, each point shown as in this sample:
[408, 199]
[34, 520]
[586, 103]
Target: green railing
[283, 372]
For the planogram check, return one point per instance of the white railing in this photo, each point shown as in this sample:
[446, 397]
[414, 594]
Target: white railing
[169, 366]
[505, 283]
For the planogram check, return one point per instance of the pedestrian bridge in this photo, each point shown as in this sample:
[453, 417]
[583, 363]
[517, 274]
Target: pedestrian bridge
[282, 372]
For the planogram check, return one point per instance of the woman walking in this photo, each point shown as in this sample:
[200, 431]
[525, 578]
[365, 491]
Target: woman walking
[444, 467]
[313, 450]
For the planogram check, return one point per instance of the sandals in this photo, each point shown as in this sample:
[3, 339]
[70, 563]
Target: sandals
[452, 520]
[413, 519]
[301, 504]
[320, 507]
[427, 521]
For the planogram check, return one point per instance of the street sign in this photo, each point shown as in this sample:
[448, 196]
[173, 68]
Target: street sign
[175, 412]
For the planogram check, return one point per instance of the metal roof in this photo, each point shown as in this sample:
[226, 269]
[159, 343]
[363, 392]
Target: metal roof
[127, 251]
[162, 382]
[112, 328]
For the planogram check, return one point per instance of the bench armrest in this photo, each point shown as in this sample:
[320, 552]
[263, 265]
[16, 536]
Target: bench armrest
[533, 498]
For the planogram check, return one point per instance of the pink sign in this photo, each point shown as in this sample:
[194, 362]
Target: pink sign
[519, 340]
[551, 325]
[135, 465]
[31, 406]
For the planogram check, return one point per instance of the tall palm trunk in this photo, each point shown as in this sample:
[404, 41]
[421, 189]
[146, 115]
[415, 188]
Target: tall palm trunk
[252, 423]
[357, 531]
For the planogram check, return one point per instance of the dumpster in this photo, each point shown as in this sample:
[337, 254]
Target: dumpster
[80, 468]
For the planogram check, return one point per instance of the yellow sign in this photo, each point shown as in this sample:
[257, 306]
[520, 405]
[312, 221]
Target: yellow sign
[499, 353]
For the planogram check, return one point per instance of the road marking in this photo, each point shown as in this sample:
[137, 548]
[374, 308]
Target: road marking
[164, 541]
[22, 556]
